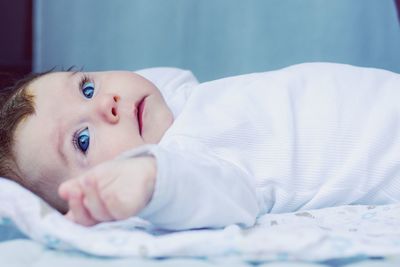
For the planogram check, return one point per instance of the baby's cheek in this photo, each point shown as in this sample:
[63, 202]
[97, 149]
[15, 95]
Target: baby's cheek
[114, 149]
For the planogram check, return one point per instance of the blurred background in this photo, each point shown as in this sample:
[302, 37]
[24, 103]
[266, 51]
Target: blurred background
[213, 38]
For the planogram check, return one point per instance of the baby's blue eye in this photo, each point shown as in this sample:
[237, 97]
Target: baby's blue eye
[83, 140]
[88, 89]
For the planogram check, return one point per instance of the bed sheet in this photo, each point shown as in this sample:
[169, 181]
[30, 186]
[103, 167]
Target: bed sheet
[24, 252]
[331, 235]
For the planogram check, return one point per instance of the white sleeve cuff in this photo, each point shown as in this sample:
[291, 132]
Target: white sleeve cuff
[162, 188]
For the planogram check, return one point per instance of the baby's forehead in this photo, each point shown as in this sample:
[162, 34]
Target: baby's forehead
[53, 76]
[51, 81]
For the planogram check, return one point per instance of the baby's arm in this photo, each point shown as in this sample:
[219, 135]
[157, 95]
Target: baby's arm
[196, 189]
[113, 190]
[192, 190]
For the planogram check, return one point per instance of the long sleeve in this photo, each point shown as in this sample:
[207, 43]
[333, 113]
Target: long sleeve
[196, 190]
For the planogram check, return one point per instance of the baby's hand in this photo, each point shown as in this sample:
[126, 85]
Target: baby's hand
[113, 190]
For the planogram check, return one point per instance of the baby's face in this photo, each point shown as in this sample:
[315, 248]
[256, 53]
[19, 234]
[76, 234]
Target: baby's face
[83, 119]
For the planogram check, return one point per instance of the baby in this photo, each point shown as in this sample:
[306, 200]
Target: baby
[103, 146]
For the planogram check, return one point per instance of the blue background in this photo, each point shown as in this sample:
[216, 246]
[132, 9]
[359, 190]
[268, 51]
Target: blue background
[214, 38]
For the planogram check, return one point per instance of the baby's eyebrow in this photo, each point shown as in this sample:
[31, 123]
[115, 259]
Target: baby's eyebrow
[73, 73]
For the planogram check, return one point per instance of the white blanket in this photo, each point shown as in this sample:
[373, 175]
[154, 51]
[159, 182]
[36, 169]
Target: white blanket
[314, 235]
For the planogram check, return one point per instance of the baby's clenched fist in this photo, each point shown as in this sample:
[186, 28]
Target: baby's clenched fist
[114, 190]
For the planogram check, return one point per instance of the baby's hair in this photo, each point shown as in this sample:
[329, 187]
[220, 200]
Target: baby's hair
[16, 103]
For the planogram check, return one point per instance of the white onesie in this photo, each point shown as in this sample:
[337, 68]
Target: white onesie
[308, 136]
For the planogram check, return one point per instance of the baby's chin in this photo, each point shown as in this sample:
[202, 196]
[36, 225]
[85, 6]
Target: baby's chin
[154, 136]
[155, 129]
[46, 208]
[55, 202]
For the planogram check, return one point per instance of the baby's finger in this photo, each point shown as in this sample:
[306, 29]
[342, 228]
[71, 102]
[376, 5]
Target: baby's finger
[69, 215]
[93, 202]
[79, 213]
[121, 205]
[69, 187]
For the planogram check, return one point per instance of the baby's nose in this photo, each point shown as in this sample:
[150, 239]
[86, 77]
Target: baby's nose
[109, 108]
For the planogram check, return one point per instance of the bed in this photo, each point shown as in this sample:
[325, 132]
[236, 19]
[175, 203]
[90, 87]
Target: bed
[33, 234]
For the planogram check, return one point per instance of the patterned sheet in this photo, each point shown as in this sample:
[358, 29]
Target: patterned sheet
[347, 232]
[22, 253]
